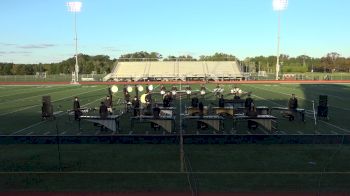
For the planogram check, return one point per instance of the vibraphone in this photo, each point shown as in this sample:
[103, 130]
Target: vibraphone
[110, 122]
[217, 122]
[195, 111]
[267, 121]
[167, 122]
[224, 111]
[300, 111]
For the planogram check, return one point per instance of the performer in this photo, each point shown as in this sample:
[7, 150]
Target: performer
[222, 101]
[109, 103]
[293, 103]
[103, 111]
[162, 90]
[201, 108]
[127, 97]
[136, 105]
[174, 91]
[248, 102]
[202, 90]
[217, 91]
[236, 97]
[156, 112]
[188, 91]
[125, 90]
[76, 108]
[201, 125]
[292, 106]
[167, 100]
[252, 113]
[194, 102]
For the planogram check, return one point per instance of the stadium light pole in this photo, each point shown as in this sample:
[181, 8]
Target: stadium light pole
[279, 6]
[75, 7]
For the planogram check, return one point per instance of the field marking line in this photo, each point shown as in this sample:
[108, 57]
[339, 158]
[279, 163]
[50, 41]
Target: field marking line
[26, 97]
[30, 133]
[4, 114]
[41, 122]
[64, 132]
[31, 126]
[46, 133]
[178, 172]
[298, 97]
[305, 114]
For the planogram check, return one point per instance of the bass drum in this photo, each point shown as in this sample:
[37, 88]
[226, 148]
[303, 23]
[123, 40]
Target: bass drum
[143, 98]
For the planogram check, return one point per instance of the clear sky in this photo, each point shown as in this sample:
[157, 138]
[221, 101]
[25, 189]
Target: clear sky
[35, 31]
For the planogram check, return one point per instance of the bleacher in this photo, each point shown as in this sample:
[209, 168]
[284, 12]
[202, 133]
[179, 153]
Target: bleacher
[174, 70]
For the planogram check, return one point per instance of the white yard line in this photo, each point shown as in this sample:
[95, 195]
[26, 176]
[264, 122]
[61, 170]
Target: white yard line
[31, 126]
[46, 133]
[305, 114]
[41, 122]
[12, 112]
[299, 97]
[24, 98]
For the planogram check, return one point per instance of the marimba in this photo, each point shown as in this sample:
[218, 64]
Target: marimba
[217, 122]
[267, 121]
[195, 110]
[167, 122]
[111, 122]
[167, 111]
[300, 111]
[224, 111]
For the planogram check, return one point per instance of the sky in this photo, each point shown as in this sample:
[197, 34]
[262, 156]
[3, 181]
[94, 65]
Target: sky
[42, 31]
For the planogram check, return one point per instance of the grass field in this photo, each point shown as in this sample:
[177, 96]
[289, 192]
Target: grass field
[140, 167]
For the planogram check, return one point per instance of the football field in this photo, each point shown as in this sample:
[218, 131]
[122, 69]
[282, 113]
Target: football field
[156, 167]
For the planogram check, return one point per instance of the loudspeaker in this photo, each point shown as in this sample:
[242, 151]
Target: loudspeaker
[46, 109]
[322, 111]
[323, 99]
[46, 99]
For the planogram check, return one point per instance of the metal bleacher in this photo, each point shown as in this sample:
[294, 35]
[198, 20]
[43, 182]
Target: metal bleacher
[174, 70]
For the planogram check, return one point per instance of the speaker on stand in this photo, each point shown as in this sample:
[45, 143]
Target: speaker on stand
[47, 108]
[322, 109]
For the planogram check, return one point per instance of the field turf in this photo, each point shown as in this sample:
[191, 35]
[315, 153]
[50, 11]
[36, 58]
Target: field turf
[140, 167]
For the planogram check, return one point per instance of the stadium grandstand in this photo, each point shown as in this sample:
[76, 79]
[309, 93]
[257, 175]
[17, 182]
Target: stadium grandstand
[175, 70]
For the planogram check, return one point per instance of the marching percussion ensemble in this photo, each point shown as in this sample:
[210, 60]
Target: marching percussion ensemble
[162, 115]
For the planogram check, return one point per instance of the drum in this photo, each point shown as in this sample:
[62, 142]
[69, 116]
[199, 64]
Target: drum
[114, 89]
[140, 88]
[129, 89]
[143, 98]
[162, 92]
[188, 92]
[202, 92]
[150, 87]
[173, 92]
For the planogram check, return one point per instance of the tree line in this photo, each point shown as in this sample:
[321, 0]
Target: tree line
[331, 62]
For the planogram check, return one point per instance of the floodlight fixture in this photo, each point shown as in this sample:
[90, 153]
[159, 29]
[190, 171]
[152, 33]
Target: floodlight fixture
[75, 6]
[279, 6]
